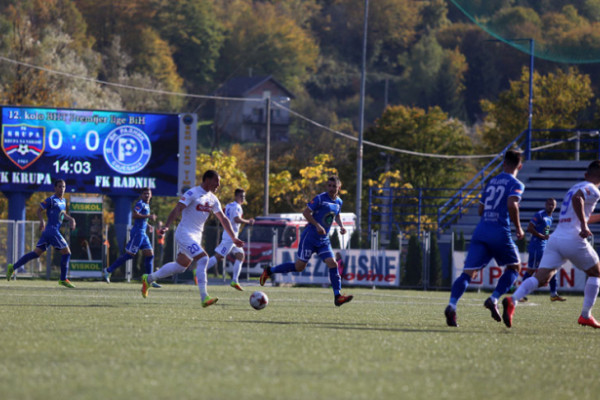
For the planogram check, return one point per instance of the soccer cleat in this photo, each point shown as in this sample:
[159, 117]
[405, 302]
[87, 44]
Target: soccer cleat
[450, 314]
[266, 274]
[106, 275]
[66, 283]
[155, 285]
[557, 298]
[10, 270]
[588, 321]
[509, 309]
[209, 301]
[490, 305]
[236, 286]
[145, 285]
[524, 299]
[341, 299]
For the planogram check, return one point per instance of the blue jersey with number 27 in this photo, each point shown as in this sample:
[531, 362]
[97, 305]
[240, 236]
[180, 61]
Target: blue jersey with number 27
[495, 199]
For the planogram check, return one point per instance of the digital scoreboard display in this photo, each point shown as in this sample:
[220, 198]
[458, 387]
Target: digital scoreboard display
[107, 152]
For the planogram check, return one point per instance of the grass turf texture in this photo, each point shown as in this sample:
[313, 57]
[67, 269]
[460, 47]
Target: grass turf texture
[106, 342]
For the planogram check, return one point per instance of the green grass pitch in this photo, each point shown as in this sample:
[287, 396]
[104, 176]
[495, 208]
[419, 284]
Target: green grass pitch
[104, 341]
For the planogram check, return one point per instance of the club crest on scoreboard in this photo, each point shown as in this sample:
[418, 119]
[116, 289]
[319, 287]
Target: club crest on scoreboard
[23, 144]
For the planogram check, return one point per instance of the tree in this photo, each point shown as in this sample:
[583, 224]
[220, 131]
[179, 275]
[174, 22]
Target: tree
[231, 176]
[262, 38]
[415, 129]
[300, 190]
[558, 99]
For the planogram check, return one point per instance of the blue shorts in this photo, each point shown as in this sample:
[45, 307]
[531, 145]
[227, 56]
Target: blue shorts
[52, 238]
[310, 244]
[487, 244]
[535, 256]
[138, 241]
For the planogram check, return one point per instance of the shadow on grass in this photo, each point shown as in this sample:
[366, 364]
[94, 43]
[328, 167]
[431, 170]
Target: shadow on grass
[345, 326]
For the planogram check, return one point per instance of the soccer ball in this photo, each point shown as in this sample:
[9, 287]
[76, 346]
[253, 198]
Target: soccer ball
[258, 300]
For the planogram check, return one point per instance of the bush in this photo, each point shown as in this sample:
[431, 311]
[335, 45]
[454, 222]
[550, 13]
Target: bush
[335, 240]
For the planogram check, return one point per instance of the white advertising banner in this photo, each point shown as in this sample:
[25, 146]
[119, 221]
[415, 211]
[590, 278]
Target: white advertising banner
[187, 152]
[361, 268]
[569, 278]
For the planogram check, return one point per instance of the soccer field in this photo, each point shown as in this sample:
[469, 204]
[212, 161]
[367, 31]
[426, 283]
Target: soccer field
[104, 341]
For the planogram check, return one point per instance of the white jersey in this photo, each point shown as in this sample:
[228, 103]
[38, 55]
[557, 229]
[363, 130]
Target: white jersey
[569, 225]
[233, 210]
[199, 204]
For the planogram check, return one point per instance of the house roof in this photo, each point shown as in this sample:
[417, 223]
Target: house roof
[240, 86]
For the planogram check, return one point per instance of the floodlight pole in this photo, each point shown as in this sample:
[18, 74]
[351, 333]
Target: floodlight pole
[530, 106]
[267, 155]
[361, 125]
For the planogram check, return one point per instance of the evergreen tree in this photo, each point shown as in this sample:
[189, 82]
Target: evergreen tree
[414, 262]
[435, 262]
[335, 240]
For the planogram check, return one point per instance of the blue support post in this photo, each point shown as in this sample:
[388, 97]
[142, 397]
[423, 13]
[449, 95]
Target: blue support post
[123, 207]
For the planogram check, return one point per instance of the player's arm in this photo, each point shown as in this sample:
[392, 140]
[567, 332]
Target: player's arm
[228, 228]
[137, 215]
[240, 220]
[531, 229]
[338, 219]
[40, 214]
[578, 201]
[70, 219]
[513, 213]
[308, 214]
[173, 215]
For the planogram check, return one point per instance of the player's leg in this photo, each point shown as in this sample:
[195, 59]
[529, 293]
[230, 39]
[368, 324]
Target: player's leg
[64, 267]
[202, 263]
[32, 255]
[237, 269]
[590, 293]
[326, 254]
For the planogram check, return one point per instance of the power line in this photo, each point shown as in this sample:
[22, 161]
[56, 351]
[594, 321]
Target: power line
[210, 97]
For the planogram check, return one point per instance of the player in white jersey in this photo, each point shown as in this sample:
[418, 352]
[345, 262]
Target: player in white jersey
[568, 242]
[234, 212]
[194, 207]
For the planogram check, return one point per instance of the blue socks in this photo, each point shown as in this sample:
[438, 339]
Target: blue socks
[459, 288]
[508, 278]
[148, 263]
[553, 285]
[25, 259]
[284, 268]
[64, 266]
[118, 262]
[336, 282]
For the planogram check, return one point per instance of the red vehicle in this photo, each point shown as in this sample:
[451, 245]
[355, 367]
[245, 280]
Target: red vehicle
[279, 230]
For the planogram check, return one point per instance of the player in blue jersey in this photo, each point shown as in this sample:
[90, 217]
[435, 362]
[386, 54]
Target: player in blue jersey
[499, 206]
[539, 227]
[55, 207]
[320, 213]
[138, 239]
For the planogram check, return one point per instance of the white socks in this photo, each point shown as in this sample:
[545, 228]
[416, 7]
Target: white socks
[166, 270]
[201, 275]
[528, 286]
[211, 262]
[590, 292]
[237, 268]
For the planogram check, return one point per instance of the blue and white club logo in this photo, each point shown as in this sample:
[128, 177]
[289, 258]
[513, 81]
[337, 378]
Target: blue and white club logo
[127, 149]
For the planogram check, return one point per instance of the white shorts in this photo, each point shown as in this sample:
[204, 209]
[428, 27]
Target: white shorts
[559, 249]
[190, 246]
[227, 246]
